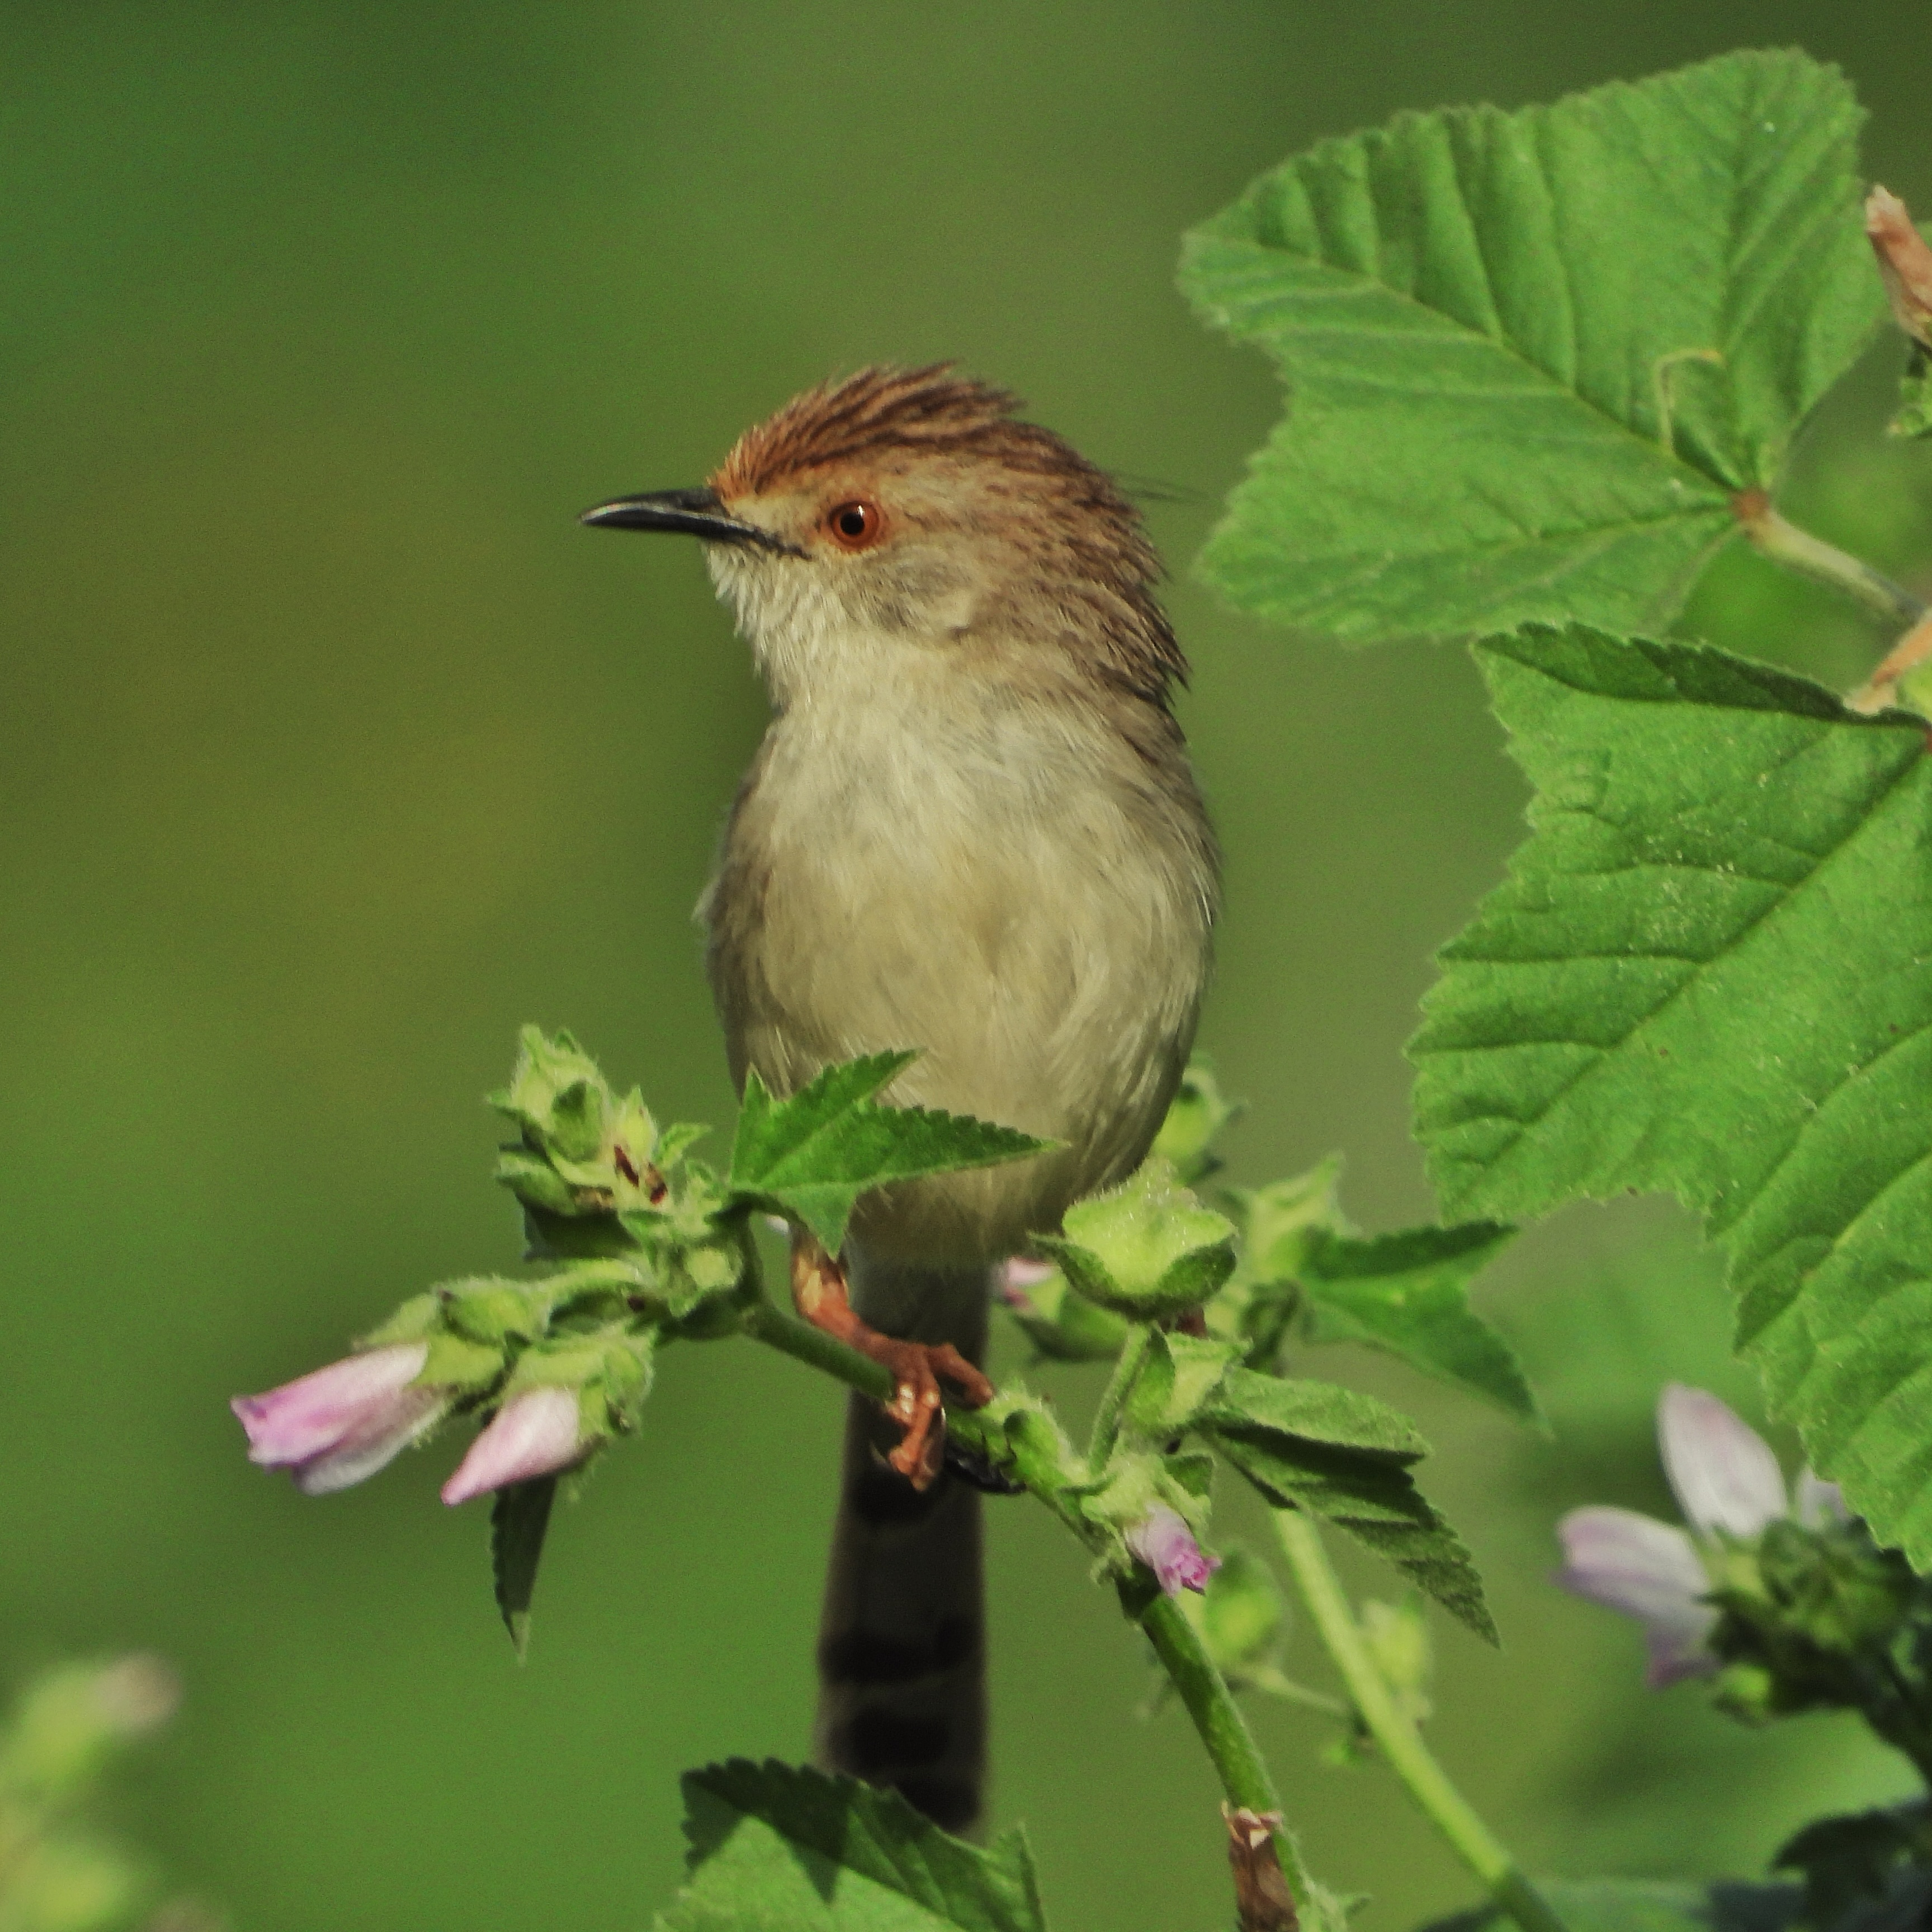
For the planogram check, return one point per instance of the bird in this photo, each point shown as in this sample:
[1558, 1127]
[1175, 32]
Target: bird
[972, 830]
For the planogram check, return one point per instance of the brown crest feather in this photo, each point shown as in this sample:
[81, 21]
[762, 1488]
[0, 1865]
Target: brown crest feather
[1090, 540]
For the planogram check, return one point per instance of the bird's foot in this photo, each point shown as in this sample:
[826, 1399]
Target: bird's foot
[819, 1293]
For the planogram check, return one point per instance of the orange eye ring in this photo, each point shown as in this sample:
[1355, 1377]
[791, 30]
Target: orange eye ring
[856, 524]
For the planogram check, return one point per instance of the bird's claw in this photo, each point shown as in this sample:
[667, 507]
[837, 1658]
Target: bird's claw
[918, 1368]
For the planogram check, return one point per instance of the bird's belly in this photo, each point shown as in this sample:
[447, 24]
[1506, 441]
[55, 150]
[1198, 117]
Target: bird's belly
[1046, 963]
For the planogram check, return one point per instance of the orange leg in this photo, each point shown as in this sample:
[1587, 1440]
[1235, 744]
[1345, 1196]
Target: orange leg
[818, 1292]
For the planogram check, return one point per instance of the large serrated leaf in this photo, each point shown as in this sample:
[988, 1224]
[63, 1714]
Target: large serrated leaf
[1322, 1413]
[774, 1849]
[1710, 974]
[1532, 356]
[1408, 1293]
[813, 1155]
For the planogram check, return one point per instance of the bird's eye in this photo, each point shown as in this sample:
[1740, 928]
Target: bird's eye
[855, 526]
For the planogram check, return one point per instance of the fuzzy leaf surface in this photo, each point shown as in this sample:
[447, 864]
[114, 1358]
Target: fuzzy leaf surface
[813, 1155]
[1710, 974]
[1407, 1294]
[1478, 315]
[776, 1849]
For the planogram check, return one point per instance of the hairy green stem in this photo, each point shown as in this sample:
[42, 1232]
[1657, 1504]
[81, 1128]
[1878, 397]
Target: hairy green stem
[1400, 1742]
[1781, 540]
[1028, 1445]
[1107, 1417]
[1223, 1731]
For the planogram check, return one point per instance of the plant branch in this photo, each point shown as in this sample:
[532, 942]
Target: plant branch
[1032, 1448]
[1401, 1743]
[1223, 1731]
[1782, 541]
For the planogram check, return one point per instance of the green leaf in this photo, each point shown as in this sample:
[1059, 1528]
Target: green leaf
[1532, 356]
[775, 1849]
[519, 1515]
[1409, 1294]
[1640, 1905]
[813, 1155]
[1344, 1456]
[1707, 975]
[1323, 1414]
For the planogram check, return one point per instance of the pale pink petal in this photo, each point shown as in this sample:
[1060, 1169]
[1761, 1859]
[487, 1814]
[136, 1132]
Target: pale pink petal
[1820, 1502]
[1722, 1471]
[1019, 1274]
[1162, 1540]
[310, 1416]
[533, 1434]
[1647, 1570]
[344, 1422]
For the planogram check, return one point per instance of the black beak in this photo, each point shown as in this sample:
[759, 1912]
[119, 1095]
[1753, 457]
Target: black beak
[693, 513]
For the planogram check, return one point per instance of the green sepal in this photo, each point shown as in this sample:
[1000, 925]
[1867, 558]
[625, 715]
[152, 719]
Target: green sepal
[1178, 1377]
[1147, 1249]
[1397, 1636]
[1262, 1299]
[1192, 1470]
[1194, 1120]
[1063, 1326]
[810, 1156]
[455, 1362]
[494, 1311]
[519, 1517]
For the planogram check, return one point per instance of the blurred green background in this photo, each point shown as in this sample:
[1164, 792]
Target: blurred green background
[332, 749]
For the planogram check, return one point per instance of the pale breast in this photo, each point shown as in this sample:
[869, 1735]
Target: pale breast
[1011, 887]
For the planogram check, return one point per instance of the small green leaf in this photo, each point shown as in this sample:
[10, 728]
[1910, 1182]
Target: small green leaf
[1409, 1294]
[1706, 976]
[519, 1515]
[1323, 1414]
[773, 1848]
[1344, 1456]
[1641, 1905]
[1147, 1249]
[813, 1155]
[1397, 1635]
[1531, 356]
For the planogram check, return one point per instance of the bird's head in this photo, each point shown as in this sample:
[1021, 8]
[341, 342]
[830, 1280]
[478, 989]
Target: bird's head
[909, 511]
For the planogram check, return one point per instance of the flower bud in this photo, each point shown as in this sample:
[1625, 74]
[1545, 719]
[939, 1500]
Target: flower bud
[1147, 1249]
[535, 1433]
[333, 1427]
[1165, 1543]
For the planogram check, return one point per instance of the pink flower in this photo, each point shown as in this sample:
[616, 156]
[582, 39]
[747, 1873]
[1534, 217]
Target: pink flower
[345, 1422]
[1166, 1544]
[1726, 1482]
[1017, 1274]
[533, 1434]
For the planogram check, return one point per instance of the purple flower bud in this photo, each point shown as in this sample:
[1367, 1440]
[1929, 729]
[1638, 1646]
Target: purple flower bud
[1721, 1470]
[533, 1434]
[345, 1422]
[1166, 1544]
[1650, 1570]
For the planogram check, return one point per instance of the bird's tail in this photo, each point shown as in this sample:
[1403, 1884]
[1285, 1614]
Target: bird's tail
[901, 1646]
